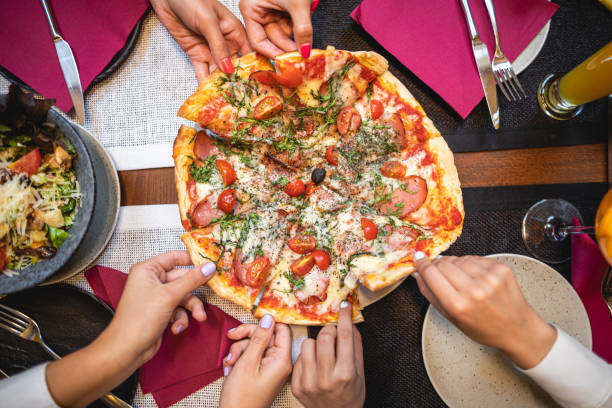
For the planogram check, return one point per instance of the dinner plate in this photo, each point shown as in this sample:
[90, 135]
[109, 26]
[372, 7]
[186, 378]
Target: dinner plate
[467, 374]
[106, 211]
[69, 319]
[532, 50]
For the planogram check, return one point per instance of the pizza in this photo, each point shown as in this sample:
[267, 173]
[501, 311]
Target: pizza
[308, 177]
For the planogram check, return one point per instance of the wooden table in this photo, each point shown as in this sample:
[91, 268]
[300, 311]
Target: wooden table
[551, 165]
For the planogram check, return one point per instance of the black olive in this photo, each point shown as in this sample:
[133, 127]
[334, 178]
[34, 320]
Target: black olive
[27, 252]
[318, 175]
[47, 251]
[5, 176]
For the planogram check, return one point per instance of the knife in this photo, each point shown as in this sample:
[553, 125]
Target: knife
[483, 62]
[68, 65]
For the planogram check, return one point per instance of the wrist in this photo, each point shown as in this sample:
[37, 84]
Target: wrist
[531, 343]
[112, 344]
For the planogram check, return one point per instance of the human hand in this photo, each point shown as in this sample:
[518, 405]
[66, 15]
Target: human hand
[258, 365]
[206, 30]
[155, 294]
[483, 299]
[329, 371]
[270, 24]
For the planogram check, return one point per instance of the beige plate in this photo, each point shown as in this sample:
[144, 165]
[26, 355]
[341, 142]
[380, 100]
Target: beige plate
[467, 374]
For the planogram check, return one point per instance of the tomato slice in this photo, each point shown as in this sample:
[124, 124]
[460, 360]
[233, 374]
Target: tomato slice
[295, 188]
[302, 244]
[322, 259]
[370, 230]
[226, 200]
[2, 259]
[289, 74]
[227, 171]
[303, 265]
[393, 169]
[27, 163]
[256, 272]
[331, 155]
[264, 77]
[310, 188]
[349, 120]
[376, 109]
[267, 107]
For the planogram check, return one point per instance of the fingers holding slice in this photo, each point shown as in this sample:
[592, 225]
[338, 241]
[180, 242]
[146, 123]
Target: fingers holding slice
[278, 37]
[345, 347]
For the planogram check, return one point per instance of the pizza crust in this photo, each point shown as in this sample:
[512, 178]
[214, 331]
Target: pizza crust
[373, 61]
[292, 316]
[181, 150]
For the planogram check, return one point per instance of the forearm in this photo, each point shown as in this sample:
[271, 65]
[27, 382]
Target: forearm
[531, 343]
[85, 375]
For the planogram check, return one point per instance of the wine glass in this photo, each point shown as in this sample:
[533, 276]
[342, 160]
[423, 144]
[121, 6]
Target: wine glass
[548, 224]
[562, 97]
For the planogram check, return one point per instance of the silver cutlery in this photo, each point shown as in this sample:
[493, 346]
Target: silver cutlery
[68, 65]
[483, 63]
[606, 289]
[25, 327]
[502, 68]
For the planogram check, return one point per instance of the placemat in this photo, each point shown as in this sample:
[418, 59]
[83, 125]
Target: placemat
[578, 29]
[145, 231]
[395, 374]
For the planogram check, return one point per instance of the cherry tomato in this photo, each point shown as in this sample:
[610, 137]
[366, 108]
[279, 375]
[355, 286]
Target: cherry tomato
[310, 188]
[303, 265]
[331, 155]
[256, 272]
[324, 88]
[226, 200]
[227, 171]
[289, 75]
[267, 107]
[322, 259]
[393, 169]
[264, 77]
[376, 109]
[348, 121]
[2, 259]
[27, 163]
[370, 230]
[302, 244]
[295, 188]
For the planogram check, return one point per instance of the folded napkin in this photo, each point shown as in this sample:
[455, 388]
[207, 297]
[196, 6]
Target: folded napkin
[95, 30]
[184, 363]
[588, 269]
[431, 39]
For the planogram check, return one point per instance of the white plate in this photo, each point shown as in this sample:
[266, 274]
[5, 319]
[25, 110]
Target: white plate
[531, 51]
[467, 374]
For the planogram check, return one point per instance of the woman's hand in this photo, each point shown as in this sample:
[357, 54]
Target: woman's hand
[329, 371]
[482, 298]
[206, 30]
[153, 296]
[270, 24]
[257, 366]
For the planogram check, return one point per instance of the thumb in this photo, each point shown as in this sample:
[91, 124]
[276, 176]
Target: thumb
[191, 280]
[259, 342]
[302, 27]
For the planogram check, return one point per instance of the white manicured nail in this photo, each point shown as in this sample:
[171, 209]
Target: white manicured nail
[344, 304]
[225, 371]
[179, 329]
[439, 257]
[418, 255]
[208, 269]
[231, 330]
[229, 355]
[266, 321]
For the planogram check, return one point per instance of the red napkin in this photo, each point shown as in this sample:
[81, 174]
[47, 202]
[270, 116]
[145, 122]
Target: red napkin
[431, 38]
[184, 363]
[95, 30]
[588, 268]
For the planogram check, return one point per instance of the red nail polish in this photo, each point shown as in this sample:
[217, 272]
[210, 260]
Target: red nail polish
[305, 50]
[227, 66]
[313, 5]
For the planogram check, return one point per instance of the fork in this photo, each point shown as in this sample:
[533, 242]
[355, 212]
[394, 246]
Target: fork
[606, 289]
[25, 327]
[502, 68]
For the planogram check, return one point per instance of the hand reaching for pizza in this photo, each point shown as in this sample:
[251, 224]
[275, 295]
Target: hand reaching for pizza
[158, 293]
[258, 365]
[270, 24]
[206, 30]
[329, 371]
[483, 299]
